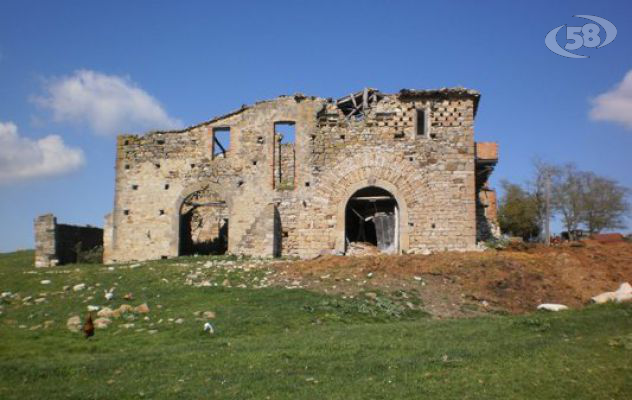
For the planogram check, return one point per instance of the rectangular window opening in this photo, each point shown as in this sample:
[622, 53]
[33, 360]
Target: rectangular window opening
[421, 123]
[221, 141]
[285, 131]
[284, 154]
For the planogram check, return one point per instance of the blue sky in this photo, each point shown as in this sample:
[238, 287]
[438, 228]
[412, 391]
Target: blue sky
[168, 64]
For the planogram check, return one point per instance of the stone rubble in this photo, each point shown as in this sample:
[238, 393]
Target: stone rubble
[621, 295]
[552, 307]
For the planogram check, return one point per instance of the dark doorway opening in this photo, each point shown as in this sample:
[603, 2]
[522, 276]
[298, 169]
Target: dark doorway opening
[371, 221]
[203, 225]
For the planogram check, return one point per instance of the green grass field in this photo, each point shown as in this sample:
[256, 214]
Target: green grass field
[277, 343]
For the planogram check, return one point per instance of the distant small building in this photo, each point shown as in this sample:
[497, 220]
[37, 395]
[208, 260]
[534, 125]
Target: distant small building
[607, 237]
[577, 234]
[60, 243]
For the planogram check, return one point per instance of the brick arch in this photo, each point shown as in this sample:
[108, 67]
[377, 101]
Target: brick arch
[174, 243]
[405, 177]
[383, 184]
[405, 180]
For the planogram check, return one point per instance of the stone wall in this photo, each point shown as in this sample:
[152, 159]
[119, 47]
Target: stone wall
[486, 207]
[59, 243]
[45, 244]
[284, 166]
[290, 198]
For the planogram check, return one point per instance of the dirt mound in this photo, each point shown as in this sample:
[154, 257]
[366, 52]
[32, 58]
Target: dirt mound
[460, 284]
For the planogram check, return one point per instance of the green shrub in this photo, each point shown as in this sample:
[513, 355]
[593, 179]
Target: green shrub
[91, 256]
[496, 243]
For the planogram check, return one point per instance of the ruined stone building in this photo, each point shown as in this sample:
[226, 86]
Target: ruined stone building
[303, 176]
[61, 243]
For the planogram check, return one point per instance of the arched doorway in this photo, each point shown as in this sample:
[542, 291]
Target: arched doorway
[203, 224]
[371, 222]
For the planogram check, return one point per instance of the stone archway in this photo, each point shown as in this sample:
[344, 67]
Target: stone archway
[371, 222]
[379, 188]
[200, 222]
[203, 224]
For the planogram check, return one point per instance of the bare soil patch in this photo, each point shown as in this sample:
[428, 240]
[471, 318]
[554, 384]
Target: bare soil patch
[467, 284]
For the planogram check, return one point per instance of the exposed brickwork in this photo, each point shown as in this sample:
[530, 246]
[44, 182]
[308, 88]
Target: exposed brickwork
[291, 199]
[487, 151]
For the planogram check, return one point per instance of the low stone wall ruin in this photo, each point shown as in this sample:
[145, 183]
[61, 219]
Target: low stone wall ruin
[57, 244]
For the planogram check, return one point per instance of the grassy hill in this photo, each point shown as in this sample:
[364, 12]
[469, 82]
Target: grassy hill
[284, 342]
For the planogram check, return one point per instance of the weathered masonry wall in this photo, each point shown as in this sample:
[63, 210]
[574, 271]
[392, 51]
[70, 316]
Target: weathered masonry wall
[58, 243]
[486, 206]
[284, 166]
[45, 243]
[266, 198]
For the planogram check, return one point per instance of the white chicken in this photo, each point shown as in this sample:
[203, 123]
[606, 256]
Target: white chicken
[109, 295]
[208, 327]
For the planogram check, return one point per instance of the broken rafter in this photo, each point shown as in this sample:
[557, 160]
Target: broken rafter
[219, 144]
[357, 213]
[355, 110]
[353, 100]
[208, 203]
[372, 198]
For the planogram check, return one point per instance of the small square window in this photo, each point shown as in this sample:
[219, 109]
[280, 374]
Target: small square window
[126, 212]
[161, 212]
[307, 184]
[127, 166]
[134, 187]
[167, 186]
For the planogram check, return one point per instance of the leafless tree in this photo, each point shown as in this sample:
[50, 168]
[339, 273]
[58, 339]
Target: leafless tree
[580, 198]
[604, 203]
[546, 175]
[568, 196]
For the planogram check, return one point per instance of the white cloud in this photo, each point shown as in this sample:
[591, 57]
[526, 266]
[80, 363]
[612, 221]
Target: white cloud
[616, 104]
[23, 158]
[109, 104]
